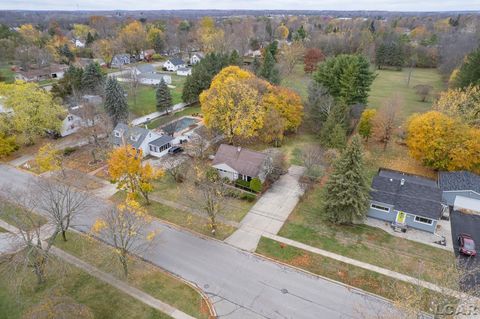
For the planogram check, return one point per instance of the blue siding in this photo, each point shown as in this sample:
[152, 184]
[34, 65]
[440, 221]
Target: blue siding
[392, 215]
[449, 196]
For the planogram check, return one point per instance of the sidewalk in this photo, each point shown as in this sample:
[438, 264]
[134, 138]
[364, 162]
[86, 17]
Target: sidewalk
[270, 212]
[147, 118]
[9, 244]
[370, 267]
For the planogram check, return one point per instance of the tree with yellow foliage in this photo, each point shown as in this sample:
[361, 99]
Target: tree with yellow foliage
[443, 143]
[211, 37]
[34, 112]
[232, 104]
[49, 159]
[126, 169]
[124, 227]
[462, 103]
[282, 32]
[287, 103]
[30, 34]
[80, 31]
[133, 37]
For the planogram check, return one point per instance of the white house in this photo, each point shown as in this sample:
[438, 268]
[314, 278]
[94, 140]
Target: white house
[71, 124]
[196, 57]
[138, 137]
[160, 146]
[120, 60]
[53, 71]
[173, 64]
[240, 163]
[78, 43]
[154, 78]
[184, 71]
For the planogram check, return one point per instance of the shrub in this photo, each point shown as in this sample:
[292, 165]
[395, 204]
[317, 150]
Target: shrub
[248, 197]
[156, 57]
[256, 185]
[242, 183]
[69, 150]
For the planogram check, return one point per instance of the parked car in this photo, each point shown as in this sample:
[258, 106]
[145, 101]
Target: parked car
[175, 150]
[466, 245]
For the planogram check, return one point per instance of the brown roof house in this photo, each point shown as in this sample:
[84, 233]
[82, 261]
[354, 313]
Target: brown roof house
[53, 71]
[234, 163]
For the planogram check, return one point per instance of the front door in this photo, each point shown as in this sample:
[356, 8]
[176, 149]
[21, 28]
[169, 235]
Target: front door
[401, 216]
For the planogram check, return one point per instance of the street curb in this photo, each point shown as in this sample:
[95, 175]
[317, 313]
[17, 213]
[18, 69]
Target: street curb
[349, 287]
[211, 309]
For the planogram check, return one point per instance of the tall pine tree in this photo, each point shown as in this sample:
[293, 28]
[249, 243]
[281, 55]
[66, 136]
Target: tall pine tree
[163, 96]
[93, 79]
[116, 104]
[268, 71]
[347, 191]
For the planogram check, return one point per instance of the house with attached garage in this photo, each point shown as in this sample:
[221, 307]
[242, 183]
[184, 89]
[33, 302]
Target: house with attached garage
[240, 163]
[184, 71]
[146, 74]
[460, 189]
[138, 137]
[406, 201]
[174, 64]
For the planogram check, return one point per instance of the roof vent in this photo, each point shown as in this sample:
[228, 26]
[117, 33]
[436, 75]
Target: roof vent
[402, 181]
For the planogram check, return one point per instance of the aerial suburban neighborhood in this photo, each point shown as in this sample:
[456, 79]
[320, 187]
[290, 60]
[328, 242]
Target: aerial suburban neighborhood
[239, 159]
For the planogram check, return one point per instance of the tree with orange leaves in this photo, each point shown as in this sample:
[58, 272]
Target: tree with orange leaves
[126, 169]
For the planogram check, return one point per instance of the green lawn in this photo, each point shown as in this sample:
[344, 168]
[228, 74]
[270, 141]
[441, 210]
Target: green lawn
[10, 213]
[189, 110]
[7, 73]
[186, 193]
[103, 300]
[362, 242]
[351, 275]
[3, 230]
[146, 100]
[182, 218]
[391, 83]
[144, 276]
[298, 80]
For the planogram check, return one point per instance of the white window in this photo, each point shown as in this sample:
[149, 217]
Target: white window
[379, 207]
[117, 133]
[134, 138]
[70, 118]
[423, 220]
[151, 148]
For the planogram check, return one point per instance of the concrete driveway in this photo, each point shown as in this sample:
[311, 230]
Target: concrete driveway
[469, 224]
[270, 212]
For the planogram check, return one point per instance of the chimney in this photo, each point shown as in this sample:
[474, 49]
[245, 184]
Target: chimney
[402, 182]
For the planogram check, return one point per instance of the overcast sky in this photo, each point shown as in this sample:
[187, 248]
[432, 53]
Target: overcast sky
[392, 5]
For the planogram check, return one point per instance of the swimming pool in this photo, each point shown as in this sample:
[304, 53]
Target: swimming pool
[180, 124]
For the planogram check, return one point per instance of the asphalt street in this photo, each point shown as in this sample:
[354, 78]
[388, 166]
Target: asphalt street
[469, 224]
[239, 283]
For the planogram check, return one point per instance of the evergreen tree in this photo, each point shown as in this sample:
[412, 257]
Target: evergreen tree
[89, 39]
[318, 106]
[256, 65]
[268, 71]
[235, 58]
[116, 104]
[158, 43]
[93, 79]
[333, 133]
[202, 75]
[66, 53]
[347, 77]
[469, 73]
[163, 96]
[347, 191]
[390, 54]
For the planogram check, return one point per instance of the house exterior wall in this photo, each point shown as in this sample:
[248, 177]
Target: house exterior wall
[71, 126]
[160, 153]
[144, 146]
[391, 216]
[449, 196]
[226, 171]
[184, 73]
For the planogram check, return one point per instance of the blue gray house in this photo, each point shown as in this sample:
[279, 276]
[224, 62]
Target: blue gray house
[406, 200]
[460, 184]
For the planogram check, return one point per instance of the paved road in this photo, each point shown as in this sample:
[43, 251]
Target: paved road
[469, 224]
[240, 284]
[270, 212]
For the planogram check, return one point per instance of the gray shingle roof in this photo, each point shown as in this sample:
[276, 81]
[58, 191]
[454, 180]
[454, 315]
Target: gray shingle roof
[244, 161]
[130, 135]
[408, 177]
[145, 68]
[176, 61]
[161, 140]
[411, 197]
[460, 180]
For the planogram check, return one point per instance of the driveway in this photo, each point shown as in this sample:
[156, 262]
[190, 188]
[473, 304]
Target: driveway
[240, 284]
[270, 212]
[469, 224]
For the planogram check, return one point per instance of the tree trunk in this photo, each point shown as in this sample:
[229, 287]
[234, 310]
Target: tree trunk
[64, 235]
[124, 261]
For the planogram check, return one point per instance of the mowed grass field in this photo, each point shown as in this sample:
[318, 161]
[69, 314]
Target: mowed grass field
[145, 102]
[393, 84]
